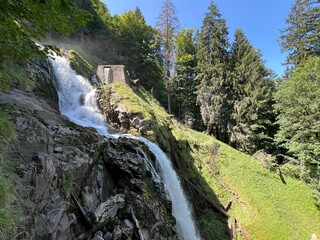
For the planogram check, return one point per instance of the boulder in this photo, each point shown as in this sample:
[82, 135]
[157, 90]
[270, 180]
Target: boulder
[107, 211]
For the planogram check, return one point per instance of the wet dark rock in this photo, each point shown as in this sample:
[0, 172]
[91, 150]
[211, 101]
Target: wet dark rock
[107, 211]
[107, 236]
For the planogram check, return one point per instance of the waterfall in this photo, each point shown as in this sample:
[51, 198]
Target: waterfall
[78, 102]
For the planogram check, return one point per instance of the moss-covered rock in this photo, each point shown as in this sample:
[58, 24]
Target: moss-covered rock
[79, 64]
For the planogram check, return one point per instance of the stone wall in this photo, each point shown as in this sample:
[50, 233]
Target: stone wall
[112, 73]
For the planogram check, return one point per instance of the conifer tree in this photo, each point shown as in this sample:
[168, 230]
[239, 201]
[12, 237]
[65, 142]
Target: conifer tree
[167, 25]
[184, 88]
[298, 104]
[252, 110]
[214, 89]
[301, 37]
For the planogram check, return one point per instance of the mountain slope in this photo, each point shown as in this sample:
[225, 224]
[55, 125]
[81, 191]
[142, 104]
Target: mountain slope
[265, 207]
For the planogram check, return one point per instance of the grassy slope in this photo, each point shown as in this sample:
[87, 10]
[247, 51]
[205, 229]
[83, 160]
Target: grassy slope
[9, 217]
[265, 207]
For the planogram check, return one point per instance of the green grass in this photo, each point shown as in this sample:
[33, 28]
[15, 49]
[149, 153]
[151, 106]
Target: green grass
[67, 184]
[264, 206]
[140, 103]
[9, 216]
[7, 131]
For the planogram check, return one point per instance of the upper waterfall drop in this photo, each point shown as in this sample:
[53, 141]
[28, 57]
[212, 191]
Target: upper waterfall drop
[78, 102]
[77, 98]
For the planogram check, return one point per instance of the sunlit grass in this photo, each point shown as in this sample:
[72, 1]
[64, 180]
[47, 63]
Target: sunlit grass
[265, 207]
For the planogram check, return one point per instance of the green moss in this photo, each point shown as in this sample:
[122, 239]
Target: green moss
[7, 128]
[79, 64]
[14, 74]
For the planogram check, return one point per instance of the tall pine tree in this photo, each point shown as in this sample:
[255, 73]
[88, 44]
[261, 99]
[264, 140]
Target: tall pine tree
[301, 37]
[252, 110]
[298, 104]
[214, 90]
[167, 25]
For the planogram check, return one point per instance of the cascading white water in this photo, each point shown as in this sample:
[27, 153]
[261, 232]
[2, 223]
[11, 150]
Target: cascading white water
[181, 208]
[77, 99]
[78, 102]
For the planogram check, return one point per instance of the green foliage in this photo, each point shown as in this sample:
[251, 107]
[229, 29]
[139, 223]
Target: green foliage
[214, 89]
[67, 184]
[139, 102]
[22, 22]
[298, 104]
[101, 17]
[252, 114]
[184, 87]
[138, 50]
[301, 36]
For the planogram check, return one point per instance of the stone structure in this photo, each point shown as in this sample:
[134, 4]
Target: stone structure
[112, 73]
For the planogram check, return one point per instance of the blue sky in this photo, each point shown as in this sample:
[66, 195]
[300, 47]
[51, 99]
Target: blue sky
[260, 19]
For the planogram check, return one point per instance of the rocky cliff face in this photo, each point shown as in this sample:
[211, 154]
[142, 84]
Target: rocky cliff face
[73, 184]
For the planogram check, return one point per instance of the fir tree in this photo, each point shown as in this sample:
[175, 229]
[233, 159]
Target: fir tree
[252, 110]
[301, 37]
[214, 90]
[298, 104]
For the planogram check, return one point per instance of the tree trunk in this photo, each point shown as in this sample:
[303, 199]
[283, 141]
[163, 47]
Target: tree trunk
[169, 86]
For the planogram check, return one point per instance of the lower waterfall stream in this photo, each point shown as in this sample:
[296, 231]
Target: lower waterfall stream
[78, 102]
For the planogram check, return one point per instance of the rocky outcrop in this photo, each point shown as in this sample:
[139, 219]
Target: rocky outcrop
[76, 185]
[119, 116]
[145, 205]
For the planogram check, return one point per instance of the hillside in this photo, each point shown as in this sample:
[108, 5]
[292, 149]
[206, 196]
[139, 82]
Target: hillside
[265, 207]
